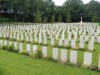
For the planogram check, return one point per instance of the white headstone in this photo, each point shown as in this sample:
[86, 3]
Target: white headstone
[31, 39]
[22, 37]
[69, 37]
[63, 55]
[81, 44]
[27, 38]
[98, 39]
[5, 42]
[86, 38]
[55, 54]
[87, 59]
[66, 42]
[40, 40]
[52, 41]
[60, 42]
[73, 43]
[10, 42]
[28, 48]
[45, 41]
[73, 57]
[16, 45]
[35, 49]
[91, 45]
[44, 51]
[1, 42]
[35, 39]
[99, 62]
[20, 46]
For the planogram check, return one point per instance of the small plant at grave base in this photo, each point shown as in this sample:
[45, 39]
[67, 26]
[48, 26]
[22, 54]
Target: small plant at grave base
[82, 49]
[37, 54]
[61, 46]
[96, 43]
[75, 48]
[78, 65]
[35, 43]
[23, 52]
[22, 41]
[27, 41]
[98, 70]
[48, 39]
[13, 39]
[3, 47]
[7, 38]
[62, 62]
[68, 47]
[86, 42]
[71, 64]
[1, 37]
[45, 44]
[33, 55]
[93, 67]
[51, 59]
[10, 48]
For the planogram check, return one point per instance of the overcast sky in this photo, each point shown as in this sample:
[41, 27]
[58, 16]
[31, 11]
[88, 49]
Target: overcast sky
[60, 2]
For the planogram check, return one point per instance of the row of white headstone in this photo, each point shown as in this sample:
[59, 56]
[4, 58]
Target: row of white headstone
[31, 38]
[51, 30]
[55, 53]
[64, 43]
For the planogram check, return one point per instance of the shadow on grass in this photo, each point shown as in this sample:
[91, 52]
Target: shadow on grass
[1, 73]
[67, 47]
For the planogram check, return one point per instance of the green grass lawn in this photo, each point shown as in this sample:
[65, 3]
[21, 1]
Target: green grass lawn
[15, 64]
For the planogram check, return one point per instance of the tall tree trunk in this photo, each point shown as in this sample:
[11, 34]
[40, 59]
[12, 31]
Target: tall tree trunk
[23, 18]
[15, 18]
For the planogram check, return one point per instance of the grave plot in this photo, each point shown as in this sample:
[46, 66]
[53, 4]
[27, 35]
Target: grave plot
[75, 43]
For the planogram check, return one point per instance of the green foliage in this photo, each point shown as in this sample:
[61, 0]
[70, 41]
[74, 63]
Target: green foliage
[4, 19]
[52, 19]
[36, 10]
[45, 20]
[68, 19]
[93, 67]
[9, 48]
[60, 18]
[38, 17]
[94, 18]
[3, 47]
[23, 52]
[37, 54]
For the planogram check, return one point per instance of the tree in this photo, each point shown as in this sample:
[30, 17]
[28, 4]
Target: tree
[38, 17]
[52, 19]
[68, 19]
[60, 18]
[92, 8]
[47, 11]
[45, 20]
[73, 7]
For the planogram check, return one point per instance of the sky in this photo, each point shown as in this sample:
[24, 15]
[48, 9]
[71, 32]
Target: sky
[60, 2]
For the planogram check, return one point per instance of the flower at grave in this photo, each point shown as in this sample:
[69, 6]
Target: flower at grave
[75, 48]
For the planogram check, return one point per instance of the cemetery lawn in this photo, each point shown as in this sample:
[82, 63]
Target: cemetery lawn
[16, 64]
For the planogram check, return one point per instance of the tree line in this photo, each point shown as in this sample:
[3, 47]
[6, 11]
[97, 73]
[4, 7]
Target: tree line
[45, 11]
